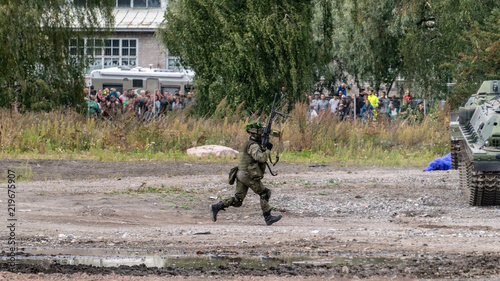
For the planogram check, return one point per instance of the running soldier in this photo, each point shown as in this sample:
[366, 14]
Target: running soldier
[251, 167]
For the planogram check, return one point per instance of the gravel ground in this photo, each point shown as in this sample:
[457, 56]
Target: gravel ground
[419, 222]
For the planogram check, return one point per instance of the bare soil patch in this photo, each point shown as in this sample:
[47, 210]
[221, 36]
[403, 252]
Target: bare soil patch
[418, 222]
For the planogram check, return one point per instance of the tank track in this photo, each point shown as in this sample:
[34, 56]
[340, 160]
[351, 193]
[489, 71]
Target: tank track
[483, 187]
[455, 154]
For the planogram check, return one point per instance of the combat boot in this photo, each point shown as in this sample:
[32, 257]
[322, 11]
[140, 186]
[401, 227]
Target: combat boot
[215, 208]
[271, 219]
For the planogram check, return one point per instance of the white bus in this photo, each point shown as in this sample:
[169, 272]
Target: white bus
[139, 78]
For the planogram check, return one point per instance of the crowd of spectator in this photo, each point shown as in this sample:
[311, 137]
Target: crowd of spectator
[107, 103]
[366, 106]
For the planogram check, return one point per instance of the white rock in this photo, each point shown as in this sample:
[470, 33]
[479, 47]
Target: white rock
[345, 269]
[215, 150]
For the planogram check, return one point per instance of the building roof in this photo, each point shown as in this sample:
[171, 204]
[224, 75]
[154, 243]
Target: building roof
[138, 20]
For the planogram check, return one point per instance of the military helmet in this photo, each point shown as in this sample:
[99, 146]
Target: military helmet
[255, 128]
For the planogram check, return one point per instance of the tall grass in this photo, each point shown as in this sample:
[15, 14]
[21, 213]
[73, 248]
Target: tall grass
[67, 134]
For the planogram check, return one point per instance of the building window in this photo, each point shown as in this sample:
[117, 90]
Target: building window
[76, 47]
[123, 3]
[173, 62]
[138, 3]
[106, 52]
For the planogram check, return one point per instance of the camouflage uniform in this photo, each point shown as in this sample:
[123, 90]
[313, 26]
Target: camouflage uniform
[250, 153]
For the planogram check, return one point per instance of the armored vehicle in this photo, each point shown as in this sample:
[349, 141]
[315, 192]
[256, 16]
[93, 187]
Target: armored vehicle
[475, 144]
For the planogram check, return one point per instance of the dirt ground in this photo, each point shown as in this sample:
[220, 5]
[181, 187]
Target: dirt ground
[342, 223]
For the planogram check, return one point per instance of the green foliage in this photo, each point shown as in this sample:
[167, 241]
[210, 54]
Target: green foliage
[38, 72]
[242, 51]
[67, 135]
[23, 173]
[433, 39]
[482, 62]
[428, 43]
[362, 44]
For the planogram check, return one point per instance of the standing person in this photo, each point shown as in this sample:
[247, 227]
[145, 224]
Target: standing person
[374, 102]
[334, 102]
[395, 101]
[366, 111]
[177, 104]
[315, 102]
[189, 101]
[312, 112]
[322, 104]
[350, 112]
[392, 112]
[113, 93]
[384, 102]
[251, 167]
[341, 90]
[373, 99]
[420, 111]
[123, 96]
[407, 96]
[360, 101]
[405, 108]
[164, 103]
[341, 111]
[93, 106]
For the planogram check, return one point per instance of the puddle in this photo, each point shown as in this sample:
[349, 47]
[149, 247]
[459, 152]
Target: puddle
[116, 258]
[87, 251]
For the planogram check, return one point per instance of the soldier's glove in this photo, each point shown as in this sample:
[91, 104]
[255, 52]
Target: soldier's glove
[269, 145]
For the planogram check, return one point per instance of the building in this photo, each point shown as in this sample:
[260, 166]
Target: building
[132, 42]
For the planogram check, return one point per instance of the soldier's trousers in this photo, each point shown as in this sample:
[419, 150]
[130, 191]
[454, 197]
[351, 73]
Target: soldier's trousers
[243, 183]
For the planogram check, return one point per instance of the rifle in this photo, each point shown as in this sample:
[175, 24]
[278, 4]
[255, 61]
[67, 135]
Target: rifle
[268, 131]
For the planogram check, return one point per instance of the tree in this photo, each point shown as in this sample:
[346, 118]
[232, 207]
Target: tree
[482, 62]
[242, 50]
[355, 40]
[432, 39]
[376, 41]
[38, 71]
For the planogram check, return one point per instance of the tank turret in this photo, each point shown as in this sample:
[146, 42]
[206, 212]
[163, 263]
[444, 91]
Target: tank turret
[488, 91]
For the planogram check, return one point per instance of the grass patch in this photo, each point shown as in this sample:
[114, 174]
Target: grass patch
[69, 135]
[163, 190]
[23, 173]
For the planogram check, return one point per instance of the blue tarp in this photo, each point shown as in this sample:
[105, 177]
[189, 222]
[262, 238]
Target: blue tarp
[441, 163]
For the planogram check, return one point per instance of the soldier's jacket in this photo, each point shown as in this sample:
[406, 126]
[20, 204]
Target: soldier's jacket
[250, 153]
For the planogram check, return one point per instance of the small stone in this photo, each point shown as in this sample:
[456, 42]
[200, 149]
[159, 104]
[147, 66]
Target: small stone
[345, 269]
[202, 232]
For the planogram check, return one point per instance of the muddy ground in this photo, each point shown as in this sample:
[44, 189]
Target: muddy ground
[342, 223]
